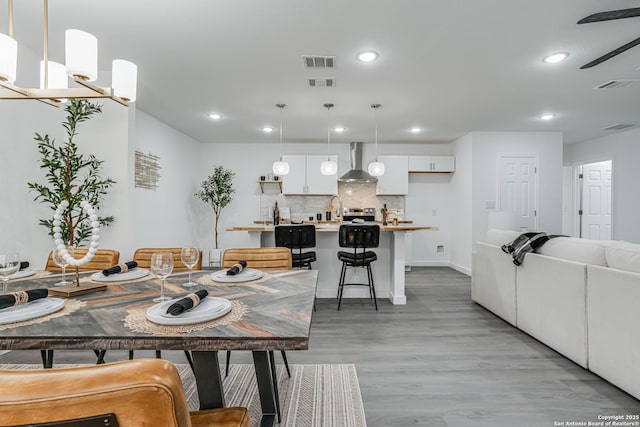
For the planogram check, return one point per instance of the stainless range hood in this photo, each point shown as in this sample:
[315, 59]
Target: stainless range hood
[356, 174]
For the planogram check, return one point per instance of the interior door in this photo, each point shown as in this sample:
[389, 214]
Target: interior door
[596, 201]
[518, 191]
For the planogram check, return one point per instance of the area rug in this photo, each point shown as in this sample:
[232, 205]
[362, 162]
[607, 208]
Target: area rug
[314, 396]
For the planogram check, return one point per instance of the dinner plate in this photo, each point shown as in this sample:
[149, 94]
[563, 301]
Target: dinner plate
[31, 310]
[23, 273]
[245, 275]
[132, 274]
[209, 308]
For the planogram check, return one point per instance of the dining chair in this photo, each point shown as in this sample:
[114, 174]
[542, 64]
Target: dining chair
[103, 258]
[143, 257]
[131, 393]
[297, 237]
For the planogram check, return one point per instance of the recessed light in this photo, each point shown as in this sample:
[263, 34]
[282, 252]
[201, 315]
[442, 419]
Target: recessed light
[339, 129]
[416, 130]
[368, 56]
[547, 116]
[555, 58]
[267, 129]
[215, 116]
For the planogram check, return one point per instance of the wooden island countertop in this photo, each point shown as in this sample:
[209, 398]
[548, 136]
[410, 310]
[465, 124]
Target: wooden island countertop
[334, 227]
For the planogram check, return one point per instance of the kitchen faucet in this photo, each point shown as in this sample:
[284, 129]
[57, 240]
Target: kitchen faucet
[339, 212]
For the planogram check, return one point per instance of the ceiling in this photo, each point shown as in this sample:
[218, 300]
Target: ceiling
[447, 66]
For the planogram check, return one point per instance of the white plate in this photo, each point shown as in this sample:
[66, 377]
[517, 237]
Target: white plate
[245, 275]
[209, 308]
[31, 310]
[23, 273]
[135, 273]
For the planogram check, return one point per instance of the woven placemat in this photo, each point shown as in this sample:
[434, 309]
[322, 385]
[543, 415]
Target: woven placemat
[70, 305]
[137, 321]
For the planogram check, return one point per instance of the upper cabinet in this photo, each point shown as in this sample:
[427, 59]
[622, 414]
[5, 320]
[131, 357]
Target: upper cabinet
[395, 180]
[432, 164]
[305, 177]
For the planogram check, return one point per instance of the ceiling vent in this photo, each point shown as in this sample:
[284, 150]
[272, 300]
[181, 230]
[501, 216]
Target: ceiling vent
[315, 61]
[322, 81]
[619, 126]
[619, 84]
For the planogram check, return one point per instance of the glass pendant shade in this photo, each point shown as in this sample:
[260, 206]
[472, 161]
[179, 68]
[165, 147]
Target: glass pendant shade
[57, 76]
[81, 54]
[280, 168]
[328, 167]
[376, 168]
[8, 58]
[124, 79]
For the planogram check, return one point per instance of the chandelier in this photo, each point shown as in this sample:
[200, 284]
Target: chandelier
[280, 167]
[81, 57]
[376, 168]
[328, 167]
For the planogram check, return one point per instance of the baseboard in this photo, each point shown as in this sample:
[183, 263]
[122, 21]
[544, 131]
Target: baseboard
[415, 263]
[461, 269]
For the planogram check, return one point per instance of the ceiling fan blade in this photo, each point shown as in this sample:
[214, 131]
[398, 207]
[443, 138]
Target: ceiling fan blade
[611, 54]
[611, 15]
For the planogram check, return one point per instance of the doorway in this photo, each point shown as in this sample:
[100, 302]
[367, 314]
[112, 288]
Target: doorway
[593, 200]
[518, 191]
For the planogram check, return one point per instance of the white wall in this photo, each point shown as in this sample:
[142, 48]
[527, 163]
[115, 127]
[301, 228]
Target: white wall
[623, 149]
[461, 206]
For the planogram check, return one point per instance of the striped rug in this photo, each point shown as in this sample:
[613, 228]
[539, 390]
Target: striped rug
[314, 396]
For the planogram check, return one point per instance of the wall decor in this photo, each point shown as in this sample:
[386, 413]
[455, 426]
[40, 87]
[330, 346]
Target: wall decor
[147, 169]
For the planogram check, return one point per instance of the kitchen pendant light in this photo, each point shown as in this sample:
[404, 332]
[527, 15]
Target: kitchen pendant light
[280, 167]
[376, 168]
[328, 167]
[81, 56]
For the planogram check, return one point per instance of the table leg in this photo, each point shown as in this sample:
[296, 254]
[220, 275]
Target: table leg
[266, 388]
[208, 379]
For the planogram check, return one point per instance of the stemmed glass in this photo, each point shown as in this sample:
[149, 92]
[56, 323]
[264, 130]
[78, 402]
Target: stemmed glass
[161, 267]
[189, 257]
[59, 260]
[9, 264]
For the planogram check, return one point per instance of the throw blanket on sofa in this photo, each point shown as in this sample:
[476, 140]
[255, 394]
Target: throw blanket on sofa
[526, 242]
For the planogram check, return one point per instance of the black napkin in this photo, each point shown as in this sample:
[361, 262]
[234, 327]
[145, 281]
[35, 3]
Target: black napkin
[22, 297]
[237, 268]
[187, 303]
[24, 265]
[120, 268]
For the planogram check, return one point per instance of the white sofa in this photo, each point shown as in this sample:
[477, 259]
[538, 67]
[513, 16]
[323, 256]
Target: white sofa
[579, 297]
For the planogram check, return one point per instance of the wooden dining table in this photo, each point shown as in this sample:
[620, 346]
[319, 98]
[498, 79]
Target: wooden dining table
[271, 313]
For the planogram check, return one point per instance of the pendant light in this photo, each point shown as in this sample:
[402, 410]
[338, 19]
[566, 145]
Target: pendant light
[280, 167]
[376, 168]
[328, 167]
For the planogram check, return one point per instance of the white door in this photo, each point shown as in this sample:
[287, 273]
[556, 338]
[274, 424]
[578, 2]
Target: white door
[596, 201]
[518, 191]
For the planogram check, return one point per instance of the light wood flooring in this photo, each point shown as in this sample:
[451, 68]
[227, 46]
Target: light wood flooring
[440, 360]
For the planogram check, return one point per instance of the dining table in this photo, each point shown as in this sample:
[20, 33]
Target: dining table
[269, 313]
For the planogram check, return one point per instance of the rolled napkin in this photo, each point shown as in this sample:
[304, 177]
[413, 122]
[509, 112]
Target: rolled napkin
[187, 303]
[22, 297]
[120, 268]
[237, 268]
[24, 265]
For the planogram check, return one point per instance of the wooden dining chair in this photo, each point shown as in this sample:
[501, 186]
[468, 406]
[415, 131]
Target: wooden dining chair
[132, 393]
[143, 257]
[103, 258]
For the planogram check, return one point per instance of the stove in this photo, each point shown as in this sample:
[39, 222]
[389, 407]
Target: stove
[365, 214]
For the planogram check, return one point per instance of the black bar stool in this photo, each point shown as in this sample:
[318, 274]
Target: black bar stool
[296, 238]
[359, 237]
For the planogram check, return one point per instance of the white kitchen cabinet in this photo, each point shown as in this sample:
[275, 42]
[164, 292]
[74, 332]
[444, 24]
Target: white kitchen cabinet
[396, 175]
[305, 177]
[432, 164]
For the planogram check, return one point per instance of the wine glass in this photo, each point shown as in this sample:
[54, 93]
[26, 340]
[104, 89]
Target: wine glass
[161, 267]
[189, 257]
[58, 259]
[9, 264]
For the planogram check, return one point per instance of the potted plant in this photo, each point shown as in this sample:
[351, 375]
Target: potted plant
[217, 191]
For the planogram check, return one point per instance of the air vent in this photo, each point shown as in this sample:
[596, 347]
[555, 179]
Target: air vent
[314, 61]
[619, 84]
[619, 126]
[322, 82]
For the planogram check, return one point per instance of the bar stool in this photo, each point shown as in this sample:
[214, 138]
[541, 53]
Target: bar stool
[360, 237]
[296, 238]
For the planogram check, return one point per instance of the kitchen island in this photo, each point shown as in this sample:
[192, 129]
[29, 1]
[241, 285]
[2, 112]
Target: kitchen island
[388, 270]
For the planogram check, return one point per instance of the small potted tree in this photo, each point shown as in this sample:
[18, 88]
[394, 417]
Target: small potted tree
[217, 191]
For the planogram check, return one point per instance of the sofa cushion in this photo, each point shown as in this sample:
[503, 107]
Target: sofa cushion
[574, 249]
[624, 258]
[501, 237]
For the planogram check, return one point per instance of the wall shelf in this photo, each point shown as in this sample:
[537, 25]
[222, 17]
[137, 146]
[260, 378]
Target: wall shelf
[262, 183]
